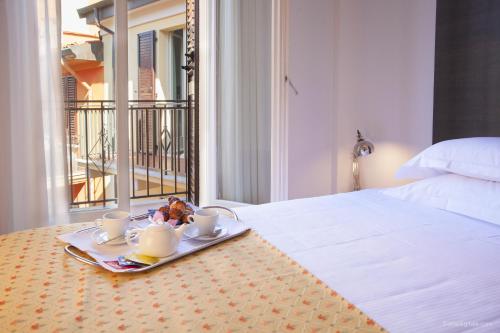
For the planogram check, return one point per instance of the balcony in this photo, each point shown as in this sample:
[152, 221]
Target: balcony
[157, 154]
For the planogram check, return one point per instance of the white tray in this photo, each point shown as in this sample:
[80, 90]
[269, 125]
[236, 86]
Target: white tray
[81, 241]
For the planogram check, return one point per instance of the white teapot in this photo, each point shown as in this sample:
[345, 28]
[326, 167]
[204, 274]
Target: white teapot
[156, 240]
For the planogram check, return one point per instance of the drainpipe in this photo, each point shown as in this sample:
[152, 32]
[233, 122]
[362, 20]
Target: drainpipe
[97, 23]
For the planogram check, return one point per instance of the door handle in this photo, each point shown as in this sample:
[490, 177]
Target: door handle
[188, 67]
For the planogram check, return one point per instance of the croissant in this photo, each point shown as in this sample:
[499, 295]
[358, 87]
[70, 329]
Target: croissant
[184, 218]
[178, 205]
[172, 199]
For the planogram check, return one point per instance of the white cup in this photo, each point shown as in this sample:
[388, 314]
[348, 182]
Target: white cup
[205, 220]
[114, 223]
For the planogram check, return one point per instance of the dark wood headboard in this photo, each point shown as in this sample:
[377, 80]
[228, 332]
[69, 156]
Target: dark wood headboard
[467, 69]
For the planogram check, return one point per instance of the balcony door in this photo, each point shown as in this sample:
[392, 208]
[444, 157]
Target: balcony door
[131, 130]
[159, 109]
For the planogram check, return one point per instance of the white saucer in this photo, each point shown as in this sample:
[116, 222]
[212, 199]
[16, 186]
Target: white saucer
[100, 235]
[192, 233]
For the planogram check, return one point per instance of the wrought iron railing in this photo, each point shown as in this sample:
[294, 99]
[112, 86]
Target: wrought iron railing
[158, 132]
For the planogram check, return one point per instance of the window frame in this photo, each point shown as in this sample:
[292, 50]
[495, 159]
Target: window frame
[122, 120]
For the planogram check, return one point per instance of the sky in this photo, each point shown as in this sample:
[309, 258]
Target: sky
[70, 20]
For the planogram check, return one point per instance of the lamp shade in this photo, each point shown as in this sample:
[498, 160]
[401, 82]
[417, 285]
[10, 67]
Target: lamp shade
[363, 147]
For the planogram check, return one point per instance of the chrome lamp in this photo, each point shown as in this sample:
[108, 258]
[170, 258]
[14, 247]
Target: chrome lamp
[361, 148]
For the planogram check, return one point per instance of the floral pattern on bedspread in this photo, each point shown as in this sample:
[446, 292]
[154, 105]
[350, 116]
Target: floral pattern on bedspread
[242, 285]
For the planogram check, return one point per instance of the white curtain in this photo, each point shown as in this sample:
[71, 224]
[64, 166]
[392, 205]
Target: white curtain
[243, 98]
[32, 182]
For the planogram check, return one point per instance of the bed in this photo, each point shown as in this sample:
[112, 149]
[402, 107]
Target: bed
[424, 257]
[410, 267]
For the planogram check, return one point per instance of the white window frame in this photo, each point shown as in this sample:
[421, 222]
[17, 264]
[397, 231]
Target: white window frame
[122, 119]
[279, 98]
[207, 101]
[121, 100]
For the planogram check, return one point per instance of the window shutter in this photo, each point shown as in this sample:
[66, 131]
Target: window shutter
[146, 57]
[69, 95]
[146, 89]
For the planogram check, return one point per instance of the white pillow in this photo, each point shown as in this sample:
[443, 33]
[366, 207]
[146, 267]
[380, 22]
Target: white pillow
[472, 197]
[473, 157]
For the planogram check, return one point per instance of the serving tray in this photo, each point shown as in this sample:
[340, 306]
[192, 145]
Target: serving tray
[81, 247]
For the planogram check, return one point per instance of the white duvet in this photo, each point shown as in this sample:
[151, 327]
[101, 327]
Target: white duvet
[410, 267]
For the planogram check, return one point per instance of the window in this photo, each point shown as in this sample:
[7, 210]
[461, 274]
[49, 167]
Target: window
[157, 110]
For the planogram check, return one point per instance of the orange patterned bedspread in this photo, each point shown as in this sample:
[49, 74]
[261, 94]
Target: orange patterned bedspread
[242, 285]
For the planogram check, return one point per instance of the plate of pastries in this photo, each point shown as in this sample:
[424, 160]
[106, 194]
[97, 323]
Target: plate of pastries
[175, 212]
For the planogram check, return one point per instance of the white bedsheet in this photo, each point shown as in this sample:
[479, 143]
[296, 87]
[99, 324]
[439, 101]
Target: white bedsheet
[410, 267]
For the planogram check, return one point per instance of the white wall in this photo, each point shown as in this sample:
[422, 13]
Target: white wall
[311, 112]
[385, 79]
[358, 64]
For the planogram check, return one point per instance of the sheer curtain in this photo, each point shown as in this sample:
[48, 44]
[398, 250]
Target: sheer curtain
[32, 182]
[243, 100]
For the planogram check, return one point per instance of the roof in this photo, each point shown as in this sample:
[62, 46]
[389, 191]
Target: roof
[105, 9]
[90, 50]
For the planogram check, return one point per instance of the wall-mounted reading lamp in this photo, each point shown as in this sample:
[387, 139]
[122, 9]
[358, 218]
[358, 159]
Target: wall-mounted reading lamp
[361, 148]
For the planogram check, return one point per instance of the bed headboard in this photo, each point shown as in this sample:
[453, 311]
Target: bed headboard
[467, 69]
